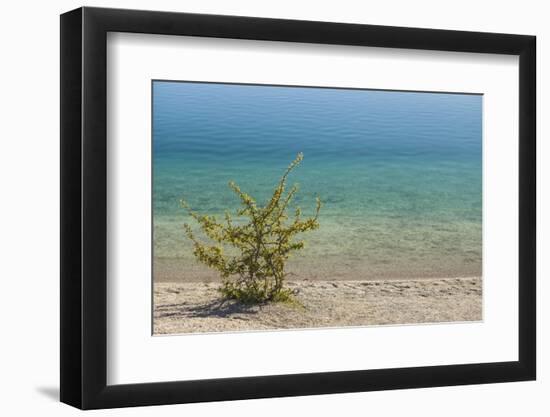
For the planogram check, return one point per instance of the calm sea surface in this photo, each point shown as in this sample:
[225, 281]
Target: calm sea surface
[399, 173]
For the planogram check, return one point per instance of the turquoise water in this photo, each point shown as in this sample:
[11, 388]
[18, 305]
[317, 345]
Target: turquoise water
[399, 173]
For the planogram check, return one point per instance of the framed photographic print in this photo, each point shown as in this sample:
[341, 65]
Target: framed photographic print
[257, 207]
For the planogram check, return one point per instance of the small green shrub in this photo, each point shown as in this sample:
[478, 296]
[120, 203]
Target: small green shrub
[263, 244]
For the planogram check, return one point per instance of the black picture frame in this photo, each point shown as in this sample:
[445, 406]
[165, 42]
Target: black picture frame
[84, 207]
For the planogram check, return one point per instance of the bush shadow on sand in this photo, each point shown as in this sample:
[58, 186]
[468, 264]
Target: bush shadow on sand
[216, 308]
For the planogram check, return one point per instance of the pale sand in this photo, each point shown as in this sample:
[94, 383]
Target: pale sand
[196, 307]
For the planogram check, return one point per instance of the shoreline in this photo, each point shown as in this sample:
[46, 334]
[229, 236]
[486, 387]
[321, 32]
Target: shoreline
[182, 271]
[191, 307]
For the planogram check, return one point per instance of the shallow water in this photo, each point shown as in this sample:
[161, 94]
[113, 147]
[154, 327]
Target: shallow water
[399, 173]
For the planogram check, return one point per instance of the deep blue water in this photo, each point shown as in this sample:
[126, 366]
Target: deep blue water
[399, 173]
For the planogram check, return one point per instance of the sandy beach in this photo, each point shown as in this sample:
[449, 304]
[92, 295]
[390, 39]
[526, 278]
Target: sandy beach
[188, 307]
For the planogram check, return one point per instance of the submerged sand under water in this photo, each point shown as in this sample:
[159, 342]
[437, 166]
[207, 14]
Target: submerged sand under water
[188, 307]
[324, 268]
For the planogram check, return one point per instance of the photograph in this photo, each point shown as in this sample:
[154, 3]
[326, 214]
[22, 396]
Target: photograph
[301, 207]
[267, 205]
